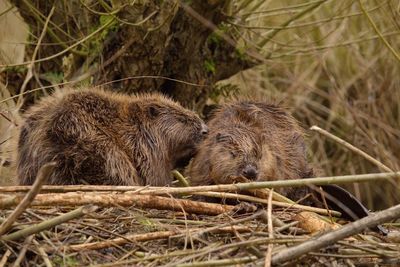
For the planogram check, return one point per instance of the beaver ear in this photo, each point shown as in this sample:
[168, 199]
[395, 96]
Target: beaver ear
[153, 111]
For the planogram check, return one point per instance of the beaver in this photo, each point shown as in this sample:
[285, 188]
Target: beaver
[104, 138]
[255, 140]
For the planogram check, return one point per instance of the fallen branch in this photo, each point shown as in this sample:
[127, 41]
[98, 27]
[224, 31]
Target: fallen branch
[121, 199]
[327, 239]
[142, 238]
[49, 223]
[265, 201]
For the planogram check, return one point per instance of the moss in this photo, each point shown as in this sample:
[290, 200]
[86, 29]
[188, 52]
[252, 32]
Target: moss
[55, 77]
[209, 65]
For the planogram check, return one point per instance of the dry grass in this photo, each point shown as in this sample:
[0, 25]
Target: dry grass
[332, 70]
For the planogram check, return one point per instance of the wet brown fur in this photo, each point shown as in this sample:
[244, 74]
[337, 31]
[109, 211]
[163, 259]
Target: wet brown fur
[249, 133]
[99, 137]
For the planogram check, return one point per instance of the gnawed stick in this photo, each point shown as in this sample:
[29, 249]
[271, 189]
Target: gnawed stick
[24, 201]
[265, 201]
[142, 238]
[110, 199]
[122, 199]
[50, 223]
[343, 179]
[336, 235]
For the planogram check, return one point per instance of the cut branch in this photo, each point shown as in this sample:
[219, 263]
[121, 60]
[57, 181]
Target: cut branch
[115, 199]
[329, 238]
[50, 223]
[344, 179]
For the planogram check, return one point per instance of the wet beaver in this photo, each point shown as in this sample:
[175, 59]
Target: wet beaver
[99, 137]
[254, 140]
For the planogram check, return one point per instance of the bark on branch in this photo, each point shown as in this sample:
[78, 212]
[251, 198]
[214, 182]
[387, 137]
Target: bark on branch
[125, 199]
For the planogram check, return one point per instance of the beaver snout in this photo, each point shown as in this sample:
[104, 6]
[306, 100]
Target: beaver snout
[250, 172]
[204, 129]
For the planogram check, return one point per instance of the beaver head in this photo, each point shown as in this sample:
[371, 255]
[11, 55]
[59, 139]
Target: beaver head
[168, 124]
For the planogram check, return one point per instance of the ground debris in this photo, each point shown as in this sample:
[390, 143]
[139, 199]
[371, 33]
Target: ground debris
[128, 236]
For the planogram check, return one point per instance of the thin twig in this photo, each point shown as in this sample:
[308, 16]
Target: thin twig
[79, 212]
[5, 257]
[107, 24]
[43, 254]
[265, 201]
[182, 180]
[210, 25]
[224, 262]
[331, 237]
[23, 251]
[29, 73]
[351, 148]
[268, 255]
[44, 172]
[272, 33]
[229, 224]
[137, 238]
[397, 56]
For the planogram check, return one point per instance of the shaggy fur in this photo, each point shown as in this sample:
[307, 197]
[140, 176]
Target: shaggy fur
[249, 135]
[99, 137]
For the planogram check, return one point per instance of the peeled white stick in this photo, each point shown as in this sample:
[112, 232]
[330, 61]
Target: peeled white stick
[331, 237]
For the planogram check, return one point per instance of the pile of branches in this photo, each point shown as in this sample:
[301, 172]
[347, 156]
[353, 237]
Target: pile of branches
[124, 226]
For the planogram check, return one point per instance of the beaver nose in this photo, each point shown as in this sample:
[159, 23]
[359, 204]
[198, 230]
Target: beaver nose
[250, 172]
[204, 129]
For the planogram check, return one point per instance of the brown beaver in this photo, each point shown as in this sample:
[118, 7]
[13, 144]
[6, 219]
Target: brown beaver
[250, 139]
[99, 137]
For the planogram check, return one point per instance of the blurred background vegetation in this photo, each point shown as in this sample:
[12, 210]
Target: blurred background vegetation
[334, 64]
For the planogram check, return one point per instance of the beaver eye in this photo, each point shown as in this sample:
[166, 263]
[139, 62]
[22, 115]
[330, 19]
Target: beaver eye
[182, 120]
[233, 154]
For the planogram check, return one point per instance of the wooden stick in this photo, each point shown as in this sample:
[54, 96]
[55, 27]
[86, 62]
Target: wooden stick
[5, 257]
[268, 255]
[142, 237]
[23, 251]
[329, 238]
[226, 187]
[273, 184]
[223, 262]
[343, 179]
[50, 223]
[43, 254]
[119, 241]
[125, 199]
[351, 148]
[265, 201]
[44, 172]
